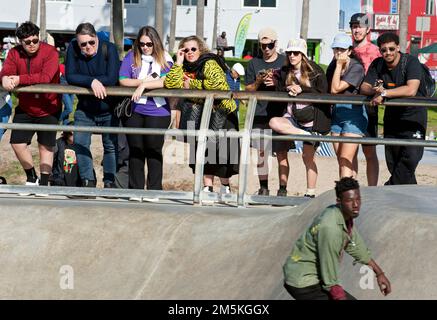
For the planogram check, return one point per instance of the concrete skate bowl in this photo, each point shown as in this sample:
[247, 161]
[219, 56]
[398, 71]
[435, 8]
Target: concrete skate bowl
[110, 249]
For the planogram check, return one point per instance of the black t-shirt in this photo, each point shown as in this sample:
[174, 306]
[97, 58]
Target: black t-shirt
[255, 65]
[354, 75]
[397, 118]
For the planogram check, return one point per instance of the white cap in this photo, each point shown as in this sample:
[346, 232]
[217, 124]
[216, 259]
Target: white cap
[238, 67]
[297, 45]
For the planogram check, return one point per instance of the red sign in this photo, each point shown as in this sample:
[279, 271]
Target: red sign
[386, 21]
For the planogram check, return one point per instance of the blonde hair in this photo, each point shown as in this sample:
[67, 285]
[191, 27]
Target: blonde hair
[305, 73]
[158, 49]
[203, 48]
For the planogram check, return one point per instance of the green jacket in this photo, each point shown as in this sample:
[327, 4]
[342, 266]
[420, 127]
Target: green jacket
[317, 254]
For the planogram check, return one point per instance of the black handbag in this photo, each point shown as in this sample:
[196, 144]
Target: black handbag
[303, 115]
[124, 108]
[191, 115]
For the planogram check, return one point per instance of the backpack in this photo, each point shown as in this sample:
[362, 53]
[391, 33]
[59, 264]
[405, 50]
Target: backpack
[427, 83]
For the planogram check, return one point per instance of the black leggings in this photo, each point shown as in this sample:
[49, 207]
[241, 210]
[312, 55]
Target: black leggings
[142, 147]
[314, 292]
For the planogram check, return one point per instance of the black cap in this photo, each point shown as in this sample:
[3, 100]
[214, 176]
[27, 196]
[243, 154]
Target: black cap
[361, 18]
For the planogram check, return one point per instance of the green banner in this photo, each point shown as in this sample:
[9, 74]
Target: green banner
[241, 35]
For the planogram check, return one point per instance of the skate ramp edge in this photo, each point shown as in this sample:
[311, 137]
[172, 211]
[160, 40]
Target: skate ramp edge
[72, 249]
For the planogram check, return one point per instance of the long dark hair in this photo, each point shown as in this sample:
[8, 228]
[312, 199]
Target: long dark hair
[306, 71]
[158, 49]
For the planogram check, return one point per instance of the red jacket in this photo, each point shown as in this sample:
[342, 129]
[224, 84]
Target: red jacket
[41, 68]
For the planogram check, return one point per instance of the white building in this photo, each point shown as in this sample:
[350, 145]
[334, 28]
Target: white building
[282, 15]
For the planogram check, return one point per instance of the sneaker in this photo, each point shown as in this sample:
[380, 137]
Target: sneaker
[282, 193]
[263, 192]
[225, 190]
[36, 183]
[206, 189]
[309, 195]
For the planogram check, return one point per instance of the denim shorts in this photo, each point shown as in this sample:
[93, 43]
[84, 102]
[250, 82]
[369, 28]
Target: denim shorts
[348, 118]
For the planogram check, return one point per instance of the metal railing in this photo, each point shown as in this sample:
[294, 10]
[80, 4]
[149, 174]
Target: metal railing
[245, 135]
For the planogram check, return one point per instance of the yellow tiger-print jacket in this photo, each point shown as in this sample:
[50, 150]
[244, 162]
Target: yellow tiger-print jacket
[215, 79]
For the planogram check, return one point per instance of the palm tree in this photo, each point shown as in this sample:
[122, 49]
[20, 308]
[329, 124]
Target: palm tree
[159, 16]
[33, 17]
[214, 31]
[200, 17]
[305, 19]
[118, 26]
[42, 20]
[171, 43]
[403, 24]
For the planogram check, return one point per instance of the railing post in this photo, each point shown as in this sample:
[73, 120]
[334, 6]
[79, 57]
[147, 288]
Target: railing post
[245, 150]
[201, 147]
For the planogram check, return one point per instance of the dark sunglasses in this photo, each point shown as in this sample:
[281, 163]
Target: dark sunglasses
[384, 50]
[91, 43]
[28, 42]
[294, 53]
[270, 45]
[186, 50]
[147, 44]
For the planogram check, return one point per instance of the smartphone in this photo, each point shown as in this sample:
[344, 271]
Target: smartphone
[154, 75]
[262, 72]
[378, 83]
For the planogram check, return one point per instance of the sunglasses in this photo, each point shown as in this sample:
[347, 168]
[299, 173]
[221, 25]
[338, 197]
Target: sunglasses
[294, 53]
[28, 42]
[384, 50]
[91, 43]
[147, 44]
[186, 50]
[270, 45]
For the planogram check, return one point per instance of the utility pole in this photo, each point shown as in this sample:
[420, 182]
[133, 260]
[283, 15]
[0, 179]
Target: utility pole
[171, 42]
[200, 18]
[403, 24]
[305, 19]
[159, 16]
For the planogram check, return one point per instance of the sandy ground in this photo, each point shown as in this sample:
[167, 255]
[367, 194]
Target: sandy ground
[178, 176]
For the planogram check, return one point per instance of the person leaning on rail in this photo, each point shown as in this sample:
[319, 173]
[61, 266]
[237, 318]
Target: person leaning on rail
[345, 74]
[366, 51]
[145, 67]
[300, 75]
[93, 63]
[398, 75]
[311, 271]
[258, 77]
[33, 62]
[197, 68]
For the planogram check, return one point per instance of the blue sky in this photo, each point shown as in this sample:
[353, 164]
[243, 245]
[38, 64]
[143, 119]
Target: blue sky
[350, 7]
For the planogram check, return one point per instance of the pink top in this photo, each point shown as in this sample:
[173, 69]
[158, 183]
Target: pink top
[367, 54]
[299, 105]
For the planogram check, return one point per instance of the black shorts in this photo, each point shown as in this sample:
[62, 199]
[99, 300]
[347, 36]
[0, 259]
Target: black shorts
[47, 138]
[261, 123]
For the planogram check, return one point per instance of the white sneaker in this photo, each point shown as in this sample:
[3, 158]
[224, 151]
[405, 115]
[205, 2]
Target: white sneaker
[36, 183]
[206, 189]
[225, 190]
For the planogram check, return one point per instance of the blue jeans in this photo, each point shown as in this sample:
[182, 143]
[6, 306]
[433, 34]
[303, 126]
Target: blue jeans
[67, 100]
[83, 142]
[5, 113]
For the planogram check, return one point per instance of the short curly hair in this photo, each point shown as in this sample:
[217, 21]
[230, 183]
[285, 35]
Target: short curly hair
[27, 29]
[345, 184]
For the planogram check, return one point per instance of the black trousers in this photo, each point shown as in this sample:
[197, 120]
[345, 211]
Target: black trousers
[142, 147]
[314, 292]
[402, 161]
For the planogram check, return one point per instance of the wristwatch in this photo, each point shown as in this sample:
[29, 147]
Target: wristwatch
[384, 94]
